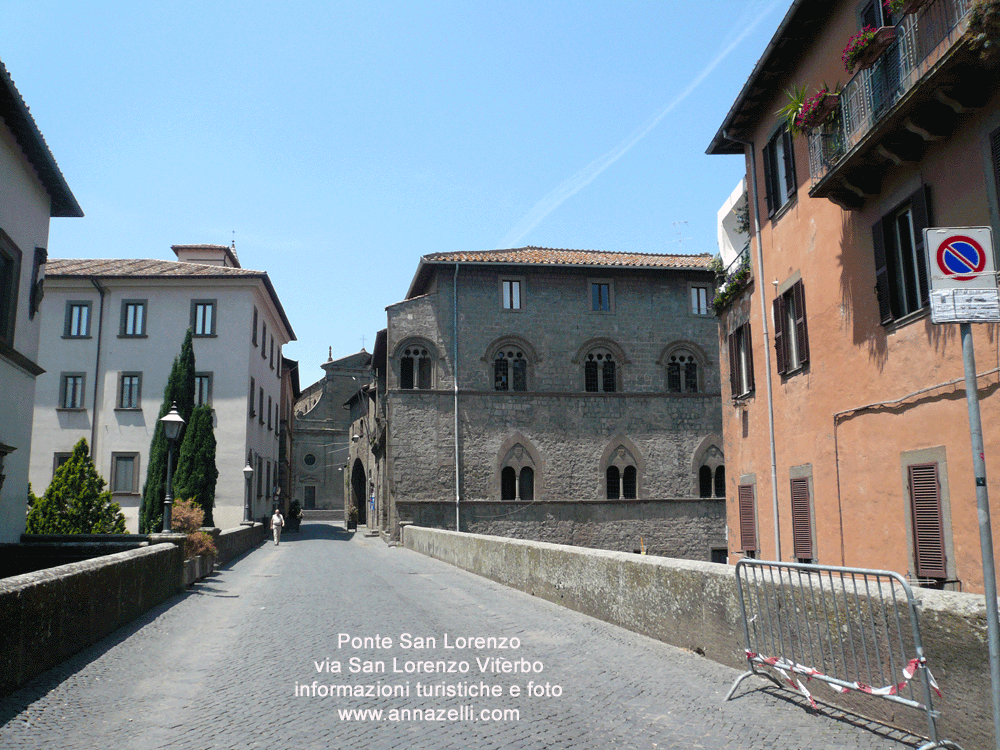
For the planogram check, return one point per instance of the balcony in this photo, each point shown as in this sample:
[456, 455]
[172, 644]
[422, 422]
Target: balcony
[888, 114]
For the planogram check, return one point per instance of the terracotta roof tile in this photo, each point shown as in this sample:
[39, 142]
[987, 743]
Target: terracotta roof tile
[140, 267]
[553, 256]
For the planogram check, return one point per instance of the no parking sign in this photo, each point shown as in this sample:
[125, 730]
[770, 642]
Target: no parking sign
[963, 283]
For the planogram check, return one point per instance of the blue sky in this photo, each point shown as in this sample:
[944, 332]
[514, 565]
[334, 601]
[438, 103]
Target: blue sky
[341, 141]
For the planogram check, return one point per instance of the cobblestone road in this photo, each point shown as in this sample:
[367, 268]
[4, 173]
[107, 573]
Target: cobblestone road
[219, 666]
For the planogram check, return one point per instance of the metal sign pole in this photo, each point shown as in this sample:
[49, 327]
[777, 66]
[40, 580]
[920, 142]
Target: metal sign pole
[985, 529]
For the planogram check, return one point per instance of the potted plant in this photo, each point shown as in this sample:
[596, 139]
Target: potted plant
[865, 47]
[294, 520]
[984, 26]
[817, 109]
[352, 518]
[903, 7]
[790, 112]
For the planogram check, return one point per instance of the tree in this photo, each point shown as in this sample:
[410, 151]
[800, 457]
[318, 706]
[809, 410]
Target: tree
[196, 471]
[179, 390]
[75, 502]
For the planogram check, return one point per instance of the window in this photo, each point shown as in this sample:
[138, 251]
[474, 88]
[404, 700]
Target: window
[779, 170]
[272, 352]
[872, 14]
[600, 372]
[526, 483]
[309, 459]
[58, 459]
[253, 336]
[510, 370]
[900, 266]
[71, 391]
[133, 320]
[260, 410]
[415, 368]
[510, 294]
[309, 496]
[203, 389]
[508, 483]
[37, 283]
[253, 388]
[699, 300]
[263, 340]
[705, 481]
[720, 481]
[129, 390]
[791, 339]
[10, 274]
[802, 546]
[517, 485]
[77, 320]
[741, 361]
[928, 521]
[748, 521]
[620, 474]
[270, 406]
[267, 481]
[613, 478]
[203, 317]
[682, 372]
[260, 476]
[125, 473]
[601, 296]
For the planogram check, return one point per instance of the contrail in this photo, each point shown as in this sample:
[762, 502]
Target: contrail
[589, 173]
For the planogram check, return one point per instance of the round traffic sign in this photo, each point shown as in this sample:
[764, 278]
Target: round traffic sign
[959, 256]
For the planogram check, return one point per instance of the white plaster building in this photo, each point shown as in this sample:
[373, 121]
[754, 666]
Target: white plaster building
[110, 332]
[32, 190]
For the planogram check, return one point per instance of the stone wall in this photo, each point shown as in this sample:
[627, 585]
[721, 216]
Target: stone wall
[49, 615]
[685, 529]
[234, 542]
[694, 605]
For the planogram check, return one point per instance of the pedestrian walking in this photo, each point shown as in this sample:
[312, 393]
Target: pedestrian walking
[277, 521]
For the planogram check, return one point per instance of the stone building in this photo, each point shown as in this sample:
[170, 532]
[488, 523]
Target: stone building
[321, 424]
[562, 395]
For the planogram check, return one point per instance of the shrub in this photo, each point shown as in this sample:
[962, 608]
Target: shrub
[75, 502]
[187, 518]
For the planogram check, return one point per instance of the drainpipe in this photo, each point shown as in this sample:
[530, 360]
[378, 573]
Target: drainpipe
[455, 373]
[97, 367]
[749, 150]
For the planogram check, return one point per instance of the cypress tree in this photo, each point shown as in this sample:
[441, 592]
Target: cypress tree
[75, 502]
[179, 390]
[196, 473]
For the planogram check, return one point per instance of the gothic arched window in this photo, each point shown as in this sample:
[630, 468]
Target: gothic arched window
[600, 372]
[415, 368]
[510, 370]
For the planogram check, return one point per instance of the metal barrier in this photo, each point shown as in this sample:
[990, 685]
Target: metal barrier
[846, 627]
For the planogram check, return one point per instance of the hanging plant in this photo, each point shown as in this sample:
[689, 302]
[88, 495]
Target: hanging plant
[865, 47]
[984, 26]
[817, 109]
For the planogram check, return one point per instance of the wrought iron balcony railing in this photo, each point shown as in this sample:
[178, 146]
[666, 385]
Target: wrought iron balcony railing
[873, 92]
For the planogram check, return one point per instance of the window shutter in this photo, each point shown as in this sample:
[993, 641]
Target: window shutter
[734, 374]
[881, 274]
[749, 345]
[801, 333]
[778, 314]
[789, 165]
[928, 528]
[801, 522]
[920, 209]
[748, 524]
[769, 181]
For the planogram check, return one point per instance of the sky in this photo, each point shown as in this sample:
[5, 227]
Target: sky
[338, 142]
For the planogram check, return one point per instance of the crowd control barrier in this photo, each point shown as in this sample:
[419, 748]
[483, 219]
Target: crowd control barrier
[853, 629]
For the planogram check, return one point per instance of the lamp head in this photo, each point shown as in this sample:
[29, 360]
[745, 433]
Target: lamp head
[172, 423]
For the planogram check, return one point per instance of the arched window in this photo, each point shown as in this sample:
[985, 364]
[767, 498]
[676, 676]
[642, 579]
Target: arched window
[600, 372]
[614, 483]
[510, 370]
[629, 477]
[705, 481]
[508, 483]
[526, 483]
[720, 481]
[416, 367]
[682, 372]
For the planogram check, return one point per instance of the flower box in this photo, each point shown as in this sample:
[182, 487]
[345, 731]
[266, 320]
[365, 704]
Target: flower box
[817, 110]
[904, 7]
[865, 47]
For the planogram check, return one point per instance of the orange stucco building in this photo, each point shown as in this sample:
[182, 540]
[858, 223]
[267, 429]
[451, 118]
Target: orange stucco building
[869, 459]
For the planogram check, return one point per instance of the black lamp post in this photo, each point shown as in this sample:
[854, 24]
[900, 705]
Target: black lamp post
[248, 473]
[172, 423]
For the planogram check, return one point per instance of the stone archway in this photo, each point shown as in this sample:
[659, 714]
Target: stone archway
[359, 494]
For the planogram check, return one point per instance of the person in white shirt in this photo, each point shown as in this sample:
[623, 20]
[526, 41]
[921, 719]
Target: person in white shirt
[277, 521]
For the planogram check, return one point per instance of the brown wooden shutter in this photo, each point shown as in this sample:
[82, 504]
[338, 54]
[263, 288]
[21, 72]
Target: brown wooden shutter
[882, 289]
[749, 347]
[801, 333]
[789, 156]
[779, 315]
[801, 520]
[920, 209]
[748, 524]
[733, 372]
[928, 527]
[769, 182]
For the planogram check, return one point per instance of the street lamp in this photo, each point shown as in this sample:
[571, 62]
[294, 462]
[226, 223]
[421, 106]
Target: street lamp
[172, 423]
[248, 473]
